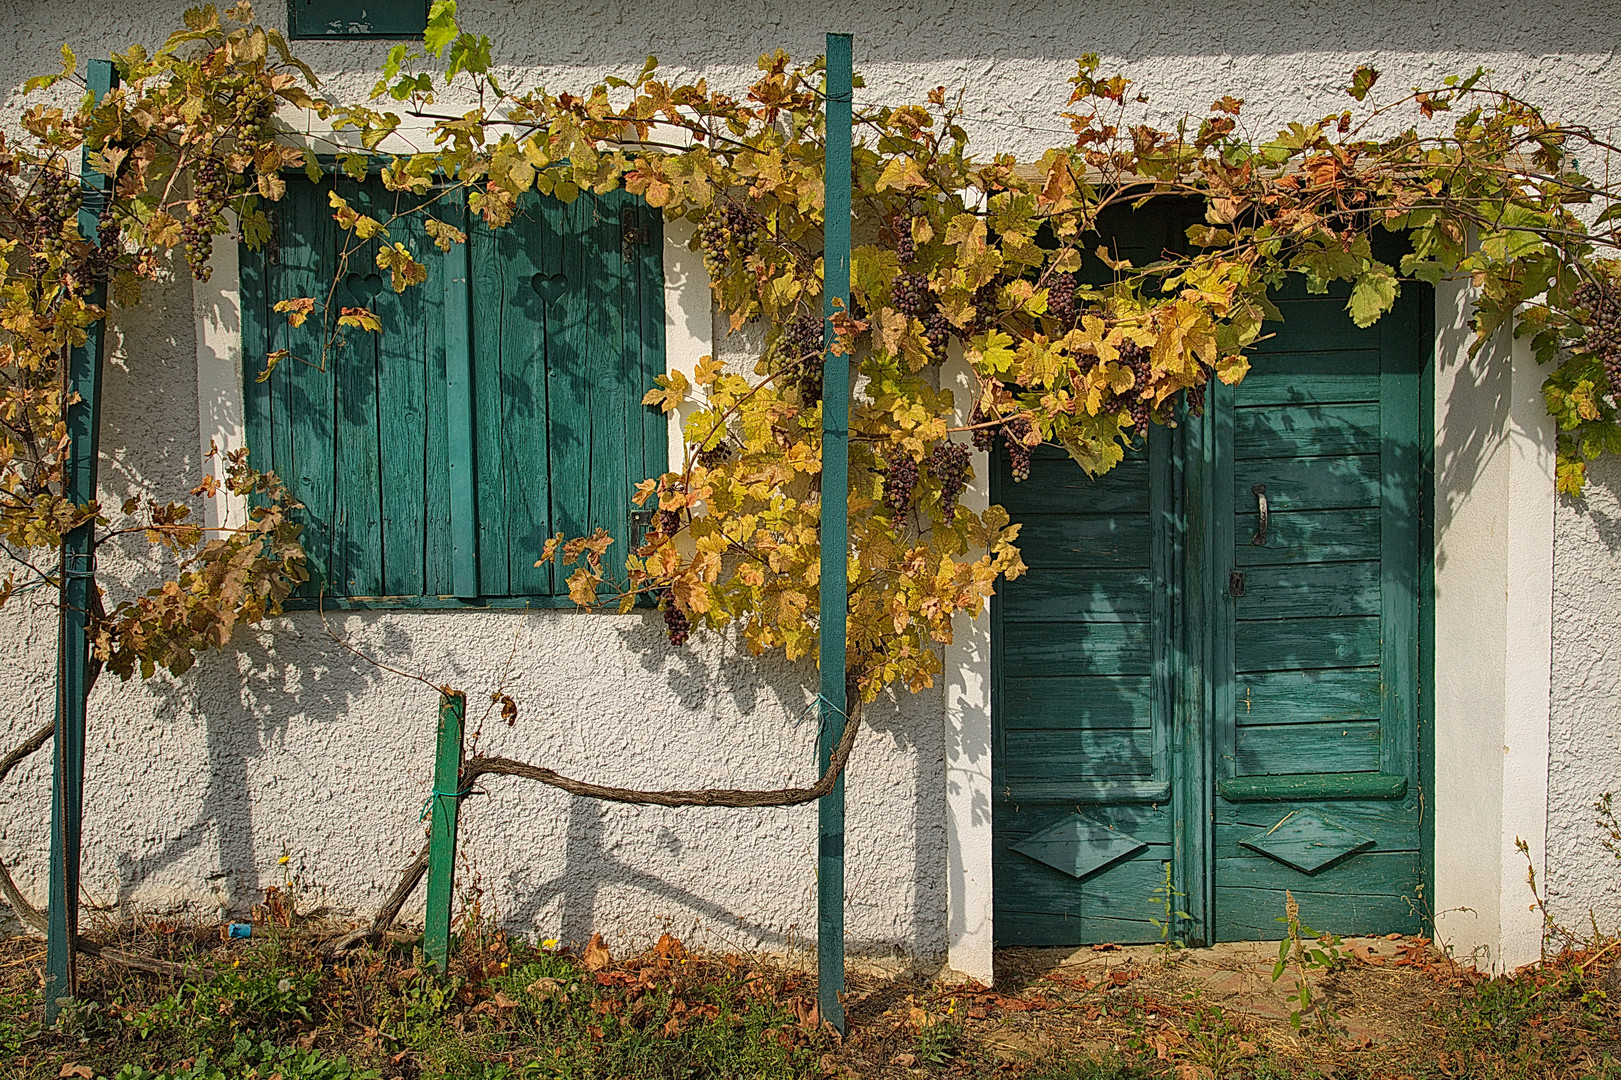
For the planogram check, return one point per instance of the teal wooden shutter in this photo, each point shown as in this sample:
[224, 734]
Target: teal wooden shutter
[350, 19]
[358, 434]
[564, 332]
[568, 332]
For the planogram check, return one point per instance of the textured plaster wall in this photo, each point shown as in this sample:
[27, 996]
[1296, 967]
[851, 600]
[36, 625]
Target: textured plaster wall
[1584, 879]
[196, 784]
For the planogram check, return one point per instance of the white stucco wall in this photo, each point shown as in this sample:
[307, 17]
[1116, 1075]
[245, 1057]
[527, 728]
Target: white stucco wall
[337, 756]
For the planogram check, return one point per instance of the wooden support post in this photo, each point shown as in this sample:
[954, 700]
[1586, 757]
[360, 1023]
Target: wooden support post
[76, 582]
[443, 807]
[835, 528]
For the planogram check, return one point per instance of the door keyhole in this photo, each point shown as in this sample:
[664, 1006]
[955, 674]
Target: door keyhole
[1235, 583]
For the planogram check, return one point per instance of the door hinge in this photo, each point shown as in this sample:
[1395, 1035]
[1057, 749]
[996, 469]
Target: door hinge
[1235, 583]
[630, 234]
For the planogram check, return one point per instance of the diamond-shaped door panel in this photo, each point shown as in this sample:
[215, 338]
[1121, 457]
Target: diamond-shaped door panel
[1078, 846]
[1308, 841]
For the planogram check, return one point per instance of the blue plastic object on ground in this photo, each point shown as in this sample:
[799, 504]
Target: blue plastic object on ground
[240, 930]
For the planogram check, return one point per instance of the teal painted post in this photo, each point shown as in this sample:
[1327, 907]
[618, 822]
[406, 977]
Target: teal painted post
[459, 405]
[834, 588]
[443, 806]
[77, 579]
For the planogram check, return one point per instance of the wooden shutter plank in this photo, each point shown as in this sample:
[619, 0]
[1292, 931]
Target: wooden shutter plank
[413, 328]
[455, 390]
[649, 281]
[357, 504]
[543, 285]
[490, 273]
[302, 385]
[567, 398]
[610, 368]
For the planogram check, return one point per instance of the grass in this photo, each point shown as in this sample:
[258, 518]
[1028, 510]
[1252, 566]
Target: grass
[274, 1009]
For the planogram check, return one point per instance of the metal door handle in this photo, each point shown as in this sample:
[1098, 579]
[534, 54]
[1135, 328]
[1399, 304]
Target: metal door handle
[1259, 490]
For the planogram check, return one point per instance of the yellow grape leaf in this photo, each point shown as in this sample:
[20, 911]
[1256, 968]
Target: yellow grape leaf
[360, 318]
[297, 309]
[673, 388]
[1232, 369]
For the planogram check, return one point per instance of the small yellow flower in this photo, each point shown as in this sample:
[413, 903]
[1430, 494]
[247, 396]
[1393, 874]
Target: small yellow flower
[549, 943]
[285, 859]
[236, 963]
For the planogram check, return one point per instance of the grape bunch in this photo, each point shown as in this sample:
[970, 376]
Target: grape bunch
[1061, 298]
[948, 462]
[1195, 398]
[736, 227]
[715, 455]
[712, 238]
[937, 330]
[984, 307]
[1602, 306]
[1014, 434]
[802, 344]
[1135, 357]
[910, 293]
[668, 522]
[905, 249]
[54, 199]
[744, 226]
[676, 625]
[900, 481]
[984, 437]
[198, 240]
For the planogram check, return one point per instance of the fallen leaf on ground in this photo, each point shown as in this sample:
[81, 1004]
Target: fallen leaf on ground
[596, 954]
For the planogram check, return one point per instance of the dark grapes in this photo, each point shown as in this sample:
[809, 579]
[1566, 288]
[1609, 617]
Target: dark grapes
[910, 293]
[676, 624]
[949, 464]
[802, 345]
[984, 437]
[905, 249]
[1014, 432]
[1195, 396]
[937, 330]
[984, 307]
[1135, 357]
[900, 481]
[715, 455]
[1601, 307]
[668, 522]
[1061, 298]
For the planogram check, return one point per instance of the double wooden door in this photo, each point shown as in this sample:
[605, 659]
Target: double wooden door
[1206, 688]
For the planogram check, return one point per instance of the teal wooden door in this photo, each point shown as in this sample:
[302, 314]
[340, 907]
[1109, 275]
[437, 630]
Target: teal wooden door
[1193, 715]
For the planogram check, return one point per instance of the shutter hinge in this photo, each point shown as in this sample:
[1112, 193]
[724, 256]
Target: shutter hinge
[630, 234]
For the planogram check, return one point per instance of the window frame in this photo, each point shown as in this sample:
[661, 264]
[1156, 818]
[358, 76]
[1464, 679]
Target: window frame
[397, 8]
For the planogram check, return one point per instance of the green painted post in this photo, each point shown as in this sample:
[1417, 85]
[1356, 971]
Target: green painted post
[443, 806]
[459, 405]
[77, 579]
[835, 584]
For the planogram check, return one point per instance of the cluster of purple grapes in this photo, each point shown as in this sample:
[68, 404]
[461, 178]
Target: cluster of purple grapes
[1061, 298]
[905, 249]
[676, 625]
[1014, 432]
[948, 462]
[1195, 399]
[802, 347]
[900, 483]
[984, 307]
[910, 293]
[737, 227]
[1601, 304]
[40, 212]
[715, 455]
[667, 522]
[1135, 357]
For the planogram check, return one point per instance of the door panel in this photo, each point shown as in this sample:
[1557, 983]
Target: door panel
[1081, 827]
[1183, 700]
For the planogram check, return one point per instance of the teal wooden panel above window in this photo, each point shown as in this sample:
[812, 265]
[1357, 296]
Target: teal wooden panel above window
[356, 18]
[565, 334]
